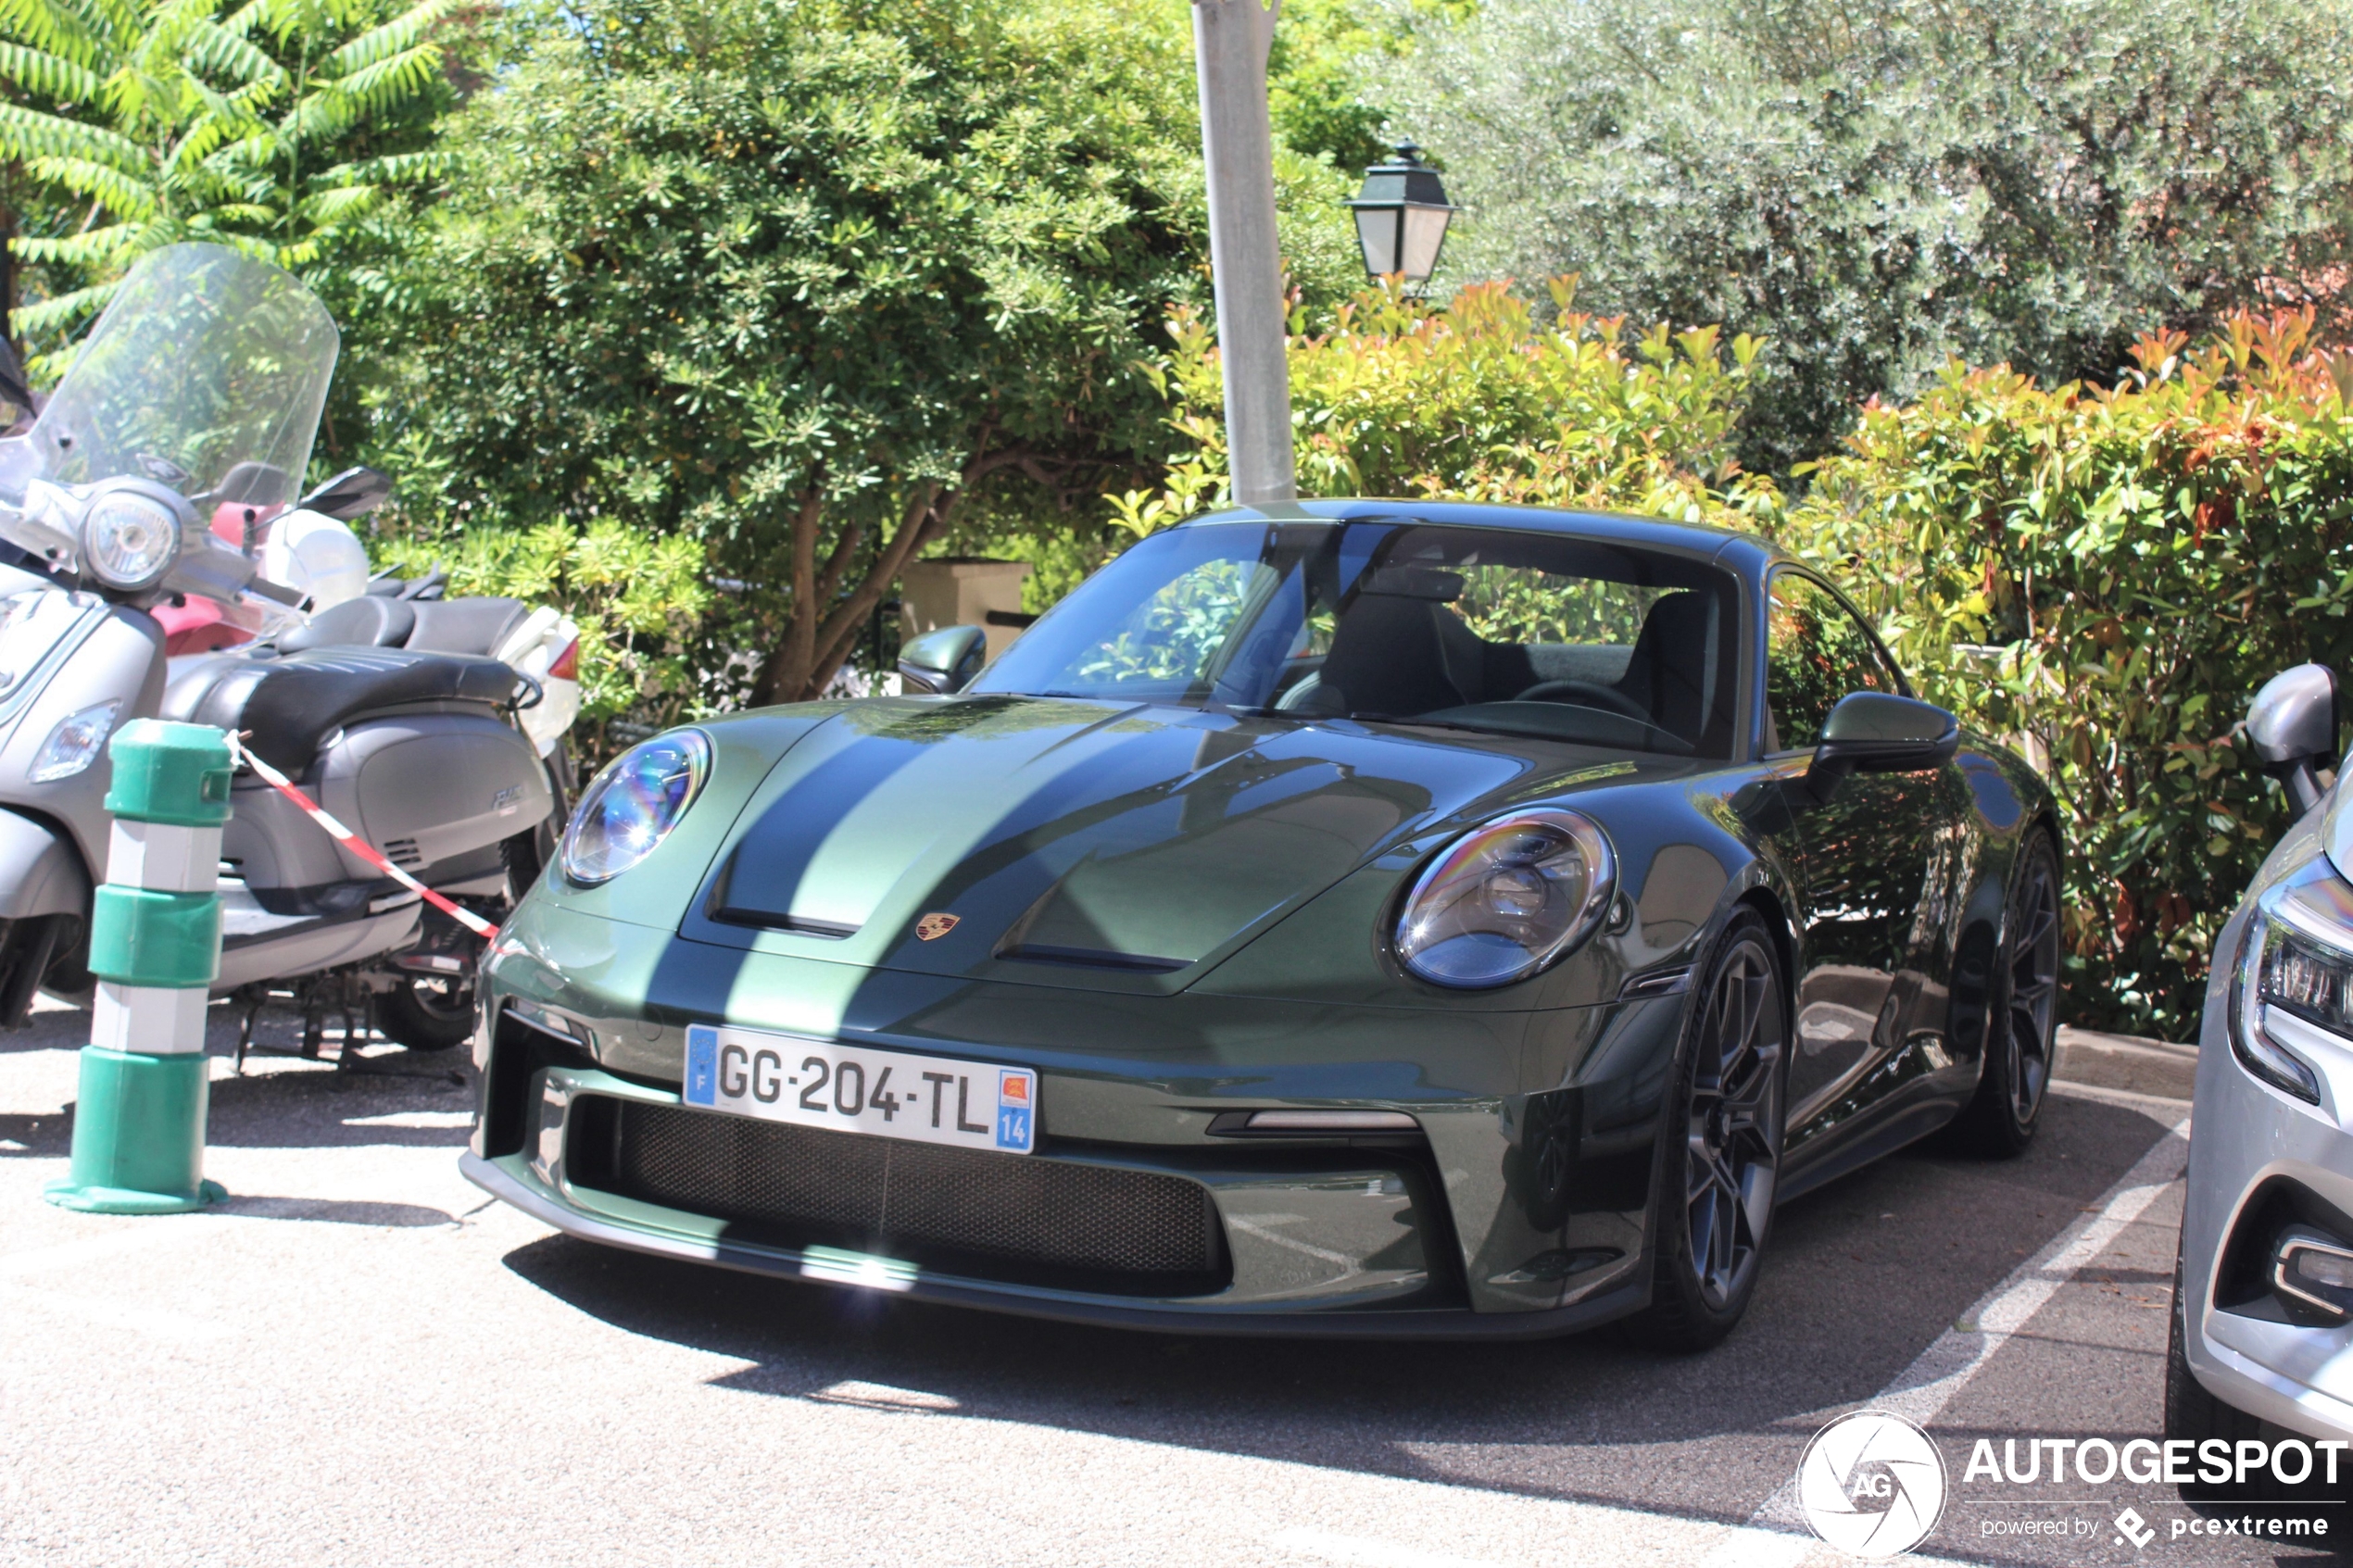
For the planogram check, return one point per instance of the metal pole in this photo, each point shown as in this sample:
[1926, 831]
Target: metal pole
[1231, 42]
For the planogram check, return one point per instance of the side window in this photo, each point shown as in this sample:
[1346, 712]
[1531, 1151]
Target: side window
[1816, 652]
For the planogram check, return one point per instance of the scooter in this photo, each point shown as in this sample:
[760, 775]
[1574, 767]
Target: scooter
[195, 398]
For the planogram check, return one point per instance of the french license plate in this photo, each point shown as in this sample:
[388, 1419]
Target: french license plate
[852, 1089]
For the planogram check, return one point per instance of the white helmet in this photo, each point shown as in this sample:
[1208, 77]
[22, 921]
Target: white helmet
[317, 553]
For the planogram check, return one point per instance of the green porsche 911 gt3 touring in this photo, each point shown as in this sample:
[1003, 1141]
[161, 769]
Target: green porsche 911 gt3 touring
[1363, 917]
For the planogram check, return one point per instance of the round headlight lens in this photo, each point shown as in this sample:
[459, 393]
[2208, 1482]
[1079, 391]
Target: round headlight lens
[627, 809]
[1507, 899]
[129, 540]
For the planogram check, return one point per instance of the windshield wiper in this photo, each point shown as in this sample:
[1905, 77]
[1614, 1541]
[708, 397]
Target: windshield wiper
[1427, 723]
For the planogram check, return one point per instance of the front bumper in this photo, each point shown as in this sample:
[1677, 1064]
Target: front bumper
[671, 1234]
[2248, 1140]
[1517, 1209]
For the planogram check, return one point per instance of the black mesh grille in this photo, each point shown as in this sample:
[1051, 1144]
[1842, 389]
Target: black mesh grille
[970, 1211]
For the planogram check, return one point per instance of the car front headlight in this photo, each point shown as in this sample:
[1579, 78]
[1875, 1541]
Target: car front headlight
[1507, 900]
[628, 808]
[2292, 995]
[129, 539]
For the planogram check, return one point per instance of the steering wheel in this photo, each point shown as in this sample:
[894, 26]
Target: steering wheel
[1586, 694]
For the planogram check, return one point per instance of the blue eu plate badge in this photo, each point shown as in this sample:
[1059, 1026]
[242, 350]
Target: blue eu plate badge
[703, 1064]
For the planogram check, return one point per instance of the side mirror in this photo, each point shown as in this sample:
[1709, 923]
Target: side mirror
[353, 493]
[2293, 724]
[942, 662]
[1881, 733]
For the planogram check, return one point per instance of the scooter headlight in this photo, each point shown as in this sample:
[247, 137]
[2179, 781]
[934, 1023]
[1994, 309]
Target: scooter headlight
[628, 808]
[129, 539]
[1507, 899]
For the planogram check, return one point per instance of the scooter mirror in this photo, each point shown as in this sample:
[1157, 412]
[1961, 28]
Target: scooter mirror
[353, 493]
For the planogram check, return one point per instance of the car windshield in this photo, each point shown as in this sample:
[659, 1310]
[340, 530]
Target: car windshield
[1403, 620]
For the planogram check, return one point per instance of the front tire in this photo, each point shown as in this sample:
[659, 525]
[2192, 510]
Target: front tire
[415, 1015]
[2021, 1033]
[2190, 1411]
[1713, 1196]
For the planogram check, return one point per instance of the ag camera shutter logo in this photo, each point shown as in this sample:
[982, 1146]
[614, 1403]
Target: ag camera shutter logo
[1872, 1483]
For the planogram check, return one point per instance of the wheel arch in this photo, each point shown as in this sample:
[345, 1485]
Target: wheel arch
[1779, 922]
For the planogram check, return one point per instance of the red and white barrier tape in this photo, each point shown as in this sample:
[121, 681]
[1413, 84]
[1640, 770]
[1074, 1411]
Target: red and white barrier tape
[356, 843]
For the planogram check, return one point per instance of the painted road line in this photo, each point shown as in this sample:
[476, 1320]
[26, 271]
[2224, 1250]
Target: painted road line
[2159, 1107]
[1922, 1390]
[1777, 1536]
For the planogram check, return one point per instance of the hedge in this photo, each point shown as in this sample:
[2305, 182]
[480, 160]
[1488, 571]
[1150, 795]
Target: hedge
[2107, 574]
[2101, 575]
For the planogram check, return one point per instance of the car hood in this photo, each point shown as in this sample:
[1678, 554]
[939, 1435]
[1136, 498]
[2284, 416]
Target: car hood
[1061, 842]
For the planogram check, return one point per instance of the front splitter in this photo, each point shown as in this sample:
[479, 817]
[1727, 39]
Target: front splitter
[824, 1266]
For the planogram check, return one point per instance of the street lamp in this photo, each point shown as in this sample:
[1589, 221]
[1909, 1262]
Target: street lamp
[1400, 216]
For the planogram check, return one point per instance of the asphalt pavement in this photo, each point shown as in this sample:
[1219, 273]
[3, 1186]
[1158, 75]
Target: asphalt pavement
[357, 1358]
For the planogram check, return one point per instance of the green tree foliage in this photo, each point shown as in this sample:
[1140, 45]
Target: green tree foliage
[2109, 574]
[1876, 186]
[639, 600]
[807, 284]
[1481, 400]
[278, 128]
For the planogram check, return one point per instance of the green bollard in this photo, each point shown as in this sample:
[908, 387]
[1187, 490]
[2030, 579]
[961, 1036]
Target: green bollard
[154, 946]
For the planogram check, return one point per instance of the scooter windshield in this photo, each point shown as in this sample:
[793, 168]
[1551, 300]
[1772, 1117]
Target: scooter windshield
[206, 374]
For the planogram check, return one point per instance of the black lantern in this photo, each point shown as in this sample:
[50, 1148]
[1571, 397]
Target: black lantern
[1400, 216]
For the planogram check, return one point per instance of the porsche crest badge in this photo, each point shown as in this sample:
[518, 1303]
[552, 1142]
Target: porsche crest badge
[931, 928]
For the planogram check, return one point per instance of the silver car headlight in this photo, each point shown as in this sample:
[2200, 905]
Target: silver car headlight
[630, 807]
[129, 539]
[1507, 900]
[2292, 995]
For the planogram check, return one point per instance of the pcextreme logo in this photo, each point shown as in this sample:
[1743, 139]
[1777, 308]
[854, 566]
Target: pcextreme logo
[1871, 1485]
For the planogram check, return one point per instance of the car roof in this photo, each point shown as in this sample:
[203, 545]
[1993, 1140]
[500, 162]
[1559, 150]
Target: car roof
[1746, 553]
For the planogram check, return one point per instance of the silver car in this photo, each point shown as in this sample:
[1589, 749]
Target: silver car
[2262, 1338]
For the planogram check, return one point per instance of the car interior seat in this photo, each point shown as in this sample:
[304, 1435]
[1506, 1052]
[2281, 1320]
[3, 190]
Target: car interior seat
[1671, 672]
[1399, 649]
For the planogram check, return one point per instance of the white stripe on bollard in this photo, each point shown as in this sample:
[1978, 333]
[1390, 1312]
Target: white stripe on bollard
[167, 858]
[148, 1020]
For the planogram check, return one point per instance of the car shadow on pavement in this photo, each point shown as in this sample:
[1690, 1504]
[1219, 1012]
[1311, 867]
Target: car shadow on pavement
[316, 1109]
[1863, 1275]
[319, 1107]
[392, 1097]
[333, 1212]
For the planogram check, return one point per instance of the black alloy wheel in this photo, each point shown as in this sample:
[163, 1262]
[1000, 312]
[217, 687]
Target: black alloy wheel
[1716, 1192]
[2021, 1045]
[427, 1015]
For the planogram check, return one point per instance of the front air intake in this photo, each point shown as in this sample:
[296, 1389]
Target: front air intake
[1025, 1219]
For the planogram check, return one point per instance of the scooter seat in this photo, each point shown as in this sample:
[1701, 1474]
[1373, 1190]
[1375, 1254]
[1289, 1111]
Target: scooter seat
[289, 705]
[466, 625]
[369, 621]
[472, 624]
